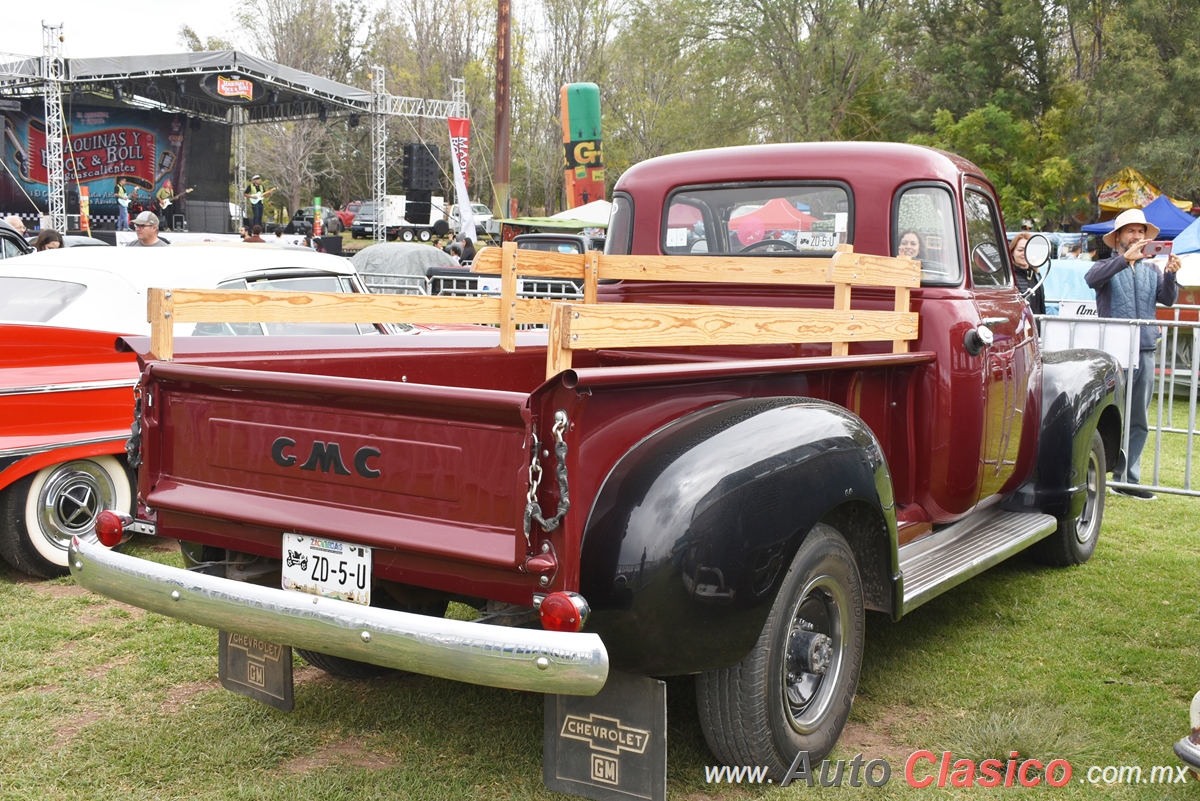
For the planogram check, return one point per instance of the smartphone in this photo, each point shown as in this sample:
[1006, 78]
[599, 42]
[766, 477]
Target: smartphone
[1152, 249]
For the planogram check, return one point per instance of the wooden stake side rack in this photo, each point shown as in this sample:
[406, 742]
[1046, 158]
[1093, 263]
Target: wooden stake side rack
[589, 324]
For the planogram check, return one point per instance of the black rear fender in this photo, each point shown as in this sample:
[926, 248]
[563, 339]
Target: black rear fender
[694, 528]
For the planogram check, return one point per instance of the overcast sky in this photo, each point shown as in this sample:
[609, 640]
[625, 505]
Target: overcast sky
[110, 27]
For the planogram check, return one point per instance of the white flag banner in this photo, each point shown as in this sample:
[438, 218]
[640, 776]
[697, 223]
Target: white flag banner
[466, 217]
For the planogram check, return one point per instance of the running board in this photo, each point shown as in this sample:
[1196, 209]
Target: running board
[950, 556]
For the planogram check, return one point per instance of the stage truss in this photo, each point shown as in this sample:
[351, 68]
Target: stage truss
[171, 83]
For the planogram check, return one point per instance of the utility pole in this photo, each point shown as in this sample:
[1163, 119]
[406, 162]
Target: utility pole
[503, 104]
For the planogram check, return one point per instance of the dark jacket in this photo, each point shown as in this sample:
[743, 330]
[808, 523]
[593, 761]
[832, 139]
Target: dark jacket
[1026, 279]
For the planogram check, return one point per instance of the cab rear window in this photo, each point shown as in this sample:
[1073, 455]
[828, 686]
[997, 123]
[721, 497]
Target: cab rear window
[806, 218]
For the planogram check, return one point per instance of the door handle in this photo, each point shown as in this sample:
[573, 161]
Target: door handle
[995, 320]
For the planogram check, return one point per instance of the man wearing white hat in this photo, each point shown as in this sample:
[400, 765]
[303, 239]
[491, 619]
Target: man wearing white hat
[1127, 287]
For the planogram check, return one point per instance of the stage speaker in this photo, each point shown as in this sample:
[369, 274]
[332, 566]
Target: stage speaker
[331, 244]
[207, 216]
[421, 167]
[418, 205]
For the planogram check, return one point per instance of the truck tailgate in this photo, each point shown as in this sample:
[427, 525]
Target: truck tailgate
[428, 471]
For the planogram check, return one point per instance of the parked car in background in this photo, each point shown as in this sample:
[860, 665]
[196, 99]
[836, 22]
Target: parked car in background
[330, 222]
[483, 215]
[11, 242]
[346, 214]
[66, 393]
[559, 243]
[83, 241]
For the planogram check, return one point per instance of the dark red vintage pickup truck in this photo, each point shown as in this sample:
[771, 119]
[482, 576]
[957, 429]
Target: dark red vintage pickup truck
[758, 424]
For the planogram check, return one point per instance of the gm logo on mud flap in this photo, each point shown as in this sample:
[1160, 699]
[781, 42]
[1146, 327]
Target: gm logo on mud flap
[326, 457]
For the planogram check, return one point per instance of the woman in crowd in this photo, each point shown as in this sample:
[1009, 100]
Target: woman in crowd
[1026, 275]
[48, 239]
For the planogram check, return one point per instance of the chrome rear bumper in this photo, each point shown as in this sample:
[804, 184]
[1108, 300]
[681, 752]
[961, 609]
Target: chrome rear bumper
[494, 656]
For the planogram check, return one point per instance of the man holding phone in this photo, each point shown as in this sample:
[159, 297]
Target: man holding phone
[1127, 287]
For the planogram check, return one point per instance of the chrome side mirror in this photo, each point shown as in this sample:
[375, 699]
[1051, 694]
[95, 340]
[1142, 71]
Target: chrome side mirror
[1037, 250]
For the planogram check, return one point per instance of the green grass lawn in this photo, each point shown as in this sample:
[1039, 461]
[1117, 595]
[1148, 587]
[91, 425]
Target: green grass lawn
[1095, 664]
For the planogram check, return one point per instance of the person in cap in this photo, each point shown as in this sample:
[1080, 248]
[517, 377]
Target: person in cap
[1127, 287]
[146, 226]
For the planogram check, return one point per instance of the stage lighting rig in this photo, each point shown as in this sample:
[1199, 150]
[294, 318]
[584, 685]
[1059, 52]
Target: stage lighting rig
[353, 121]
[322, 112]
[273, 97]
[119, 92]
[180, 87]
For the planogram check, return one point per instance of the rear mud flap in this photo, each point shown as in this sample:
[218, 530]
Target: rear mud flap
[256, 669]
[610, 746]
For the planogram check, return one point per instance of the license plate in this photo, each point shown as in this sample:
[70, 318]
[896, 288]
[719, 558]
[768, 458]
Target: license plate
[325, 567]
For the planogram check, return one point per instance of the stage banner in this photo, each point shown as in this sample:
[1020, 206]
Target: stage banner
[101, 144]
[460, 142]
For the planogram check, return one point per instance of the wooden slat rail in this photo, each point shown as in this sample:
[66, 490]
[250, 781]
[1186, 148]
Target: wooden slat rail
[590, 325]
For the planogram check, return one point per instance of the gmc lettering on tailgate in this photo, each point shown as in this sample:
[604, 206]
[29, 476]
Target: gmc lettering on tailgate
[326, 456]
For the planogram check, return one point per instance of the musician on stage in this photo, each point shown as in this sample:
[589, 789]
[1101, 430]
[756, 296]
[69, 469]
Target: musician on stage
[255, 194]
[162, 201]
[123, 200]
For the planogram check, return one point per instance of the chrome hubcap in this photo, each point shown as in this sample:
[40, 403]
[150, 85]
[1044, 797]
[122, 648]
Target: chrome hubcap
[71, 498]
[1086, 523]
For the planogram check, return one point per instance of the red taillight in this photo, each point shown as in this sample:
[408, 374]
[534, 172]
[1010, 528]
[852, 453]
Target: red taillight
[563, 611]
[110, 527]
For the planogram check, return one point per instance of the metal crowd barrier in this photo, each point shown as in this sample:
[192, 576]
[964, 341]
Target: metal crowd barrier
[1176, 376]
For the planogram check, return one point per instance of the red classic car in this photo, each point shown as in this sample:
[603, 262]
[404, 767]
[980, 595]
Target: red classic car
[66, 393]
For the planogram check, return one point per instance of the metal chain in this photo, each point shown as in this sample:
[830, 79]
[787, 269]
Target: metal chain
[133, 445]
[533, 510]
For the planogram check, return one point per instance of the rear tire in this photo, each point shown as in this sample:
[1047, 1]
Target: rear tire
[406, 234]
[40, 513]
[1075, 540]
[424, 235]
[771, 706]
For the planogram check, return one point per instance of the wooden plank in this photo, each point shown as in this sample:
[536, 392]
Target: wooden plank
[591, 275]
[862, 269]
[160, 305]
[634, 325]
[697, 269]
[715, 269]
[537, 263]
[558, 355]
[242, 306]
[902, 306]
[508, 297]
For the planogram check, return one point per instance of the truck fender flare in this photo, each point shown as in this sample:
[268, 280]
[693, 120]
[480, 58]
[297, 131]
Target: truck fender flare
[1081, 394]
[694, 528]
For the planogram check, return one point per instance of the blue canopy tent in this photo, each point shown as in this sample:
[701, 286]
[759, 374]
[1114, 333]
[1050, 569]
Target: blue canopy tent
[1162, 213]
[1189, 240]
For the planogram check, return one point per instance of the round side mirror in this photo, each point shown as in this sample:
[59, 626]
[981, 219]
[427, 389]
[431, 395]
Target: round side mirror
[1037, 250]
[986, 257]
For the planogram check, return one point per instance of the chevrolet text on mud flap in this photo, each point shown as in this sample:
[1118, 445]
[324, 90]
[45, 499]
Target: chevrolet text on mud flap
[757, 425]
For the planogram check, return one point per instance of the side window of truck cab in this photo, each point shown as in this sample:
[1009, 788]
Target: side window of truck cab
[924, 229]
[985, 242]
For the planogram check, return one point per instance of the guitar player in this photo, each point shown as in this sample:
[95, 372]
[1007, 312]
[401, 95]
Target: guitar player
[164, 198]
[255, 194]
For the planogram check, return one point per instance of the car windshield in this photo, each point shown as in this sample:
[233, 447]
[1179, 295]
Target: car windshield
[36, 300]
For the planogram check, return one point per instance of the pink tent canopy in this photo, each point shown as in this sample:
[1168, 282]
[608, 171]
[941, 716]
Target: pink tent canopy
[777, 214]
[682, 214]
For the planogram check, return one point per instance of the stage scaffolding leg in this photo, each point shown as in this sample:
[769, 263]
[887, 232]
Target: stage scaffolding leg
[379, 150]
[239, 144]
[52, 73]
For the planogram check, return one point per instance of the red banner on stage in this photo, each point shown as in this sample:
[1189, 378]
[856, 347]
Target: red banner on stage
[98, 154]
[460, 140]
